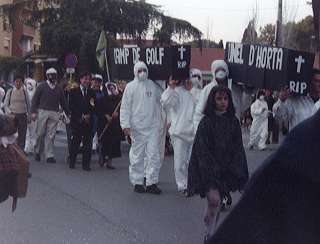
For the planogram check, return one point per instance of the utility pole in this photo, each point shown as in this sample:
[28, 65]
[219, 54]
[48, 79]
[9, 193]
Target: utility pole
[279, 28]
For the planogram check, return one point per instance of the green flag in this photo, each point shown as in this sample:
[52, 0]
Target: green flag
[100, 50]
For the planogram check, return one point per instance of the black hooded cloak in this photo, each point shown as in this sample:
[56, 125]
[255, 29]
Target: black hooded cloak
[218, 159]
[281, 204]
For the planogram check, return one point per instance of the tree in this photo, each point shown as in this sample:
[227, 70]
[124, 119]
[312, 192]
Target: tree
[250, 34]
[74, 26]
[316, 22]
[296, 35]
[267, 34]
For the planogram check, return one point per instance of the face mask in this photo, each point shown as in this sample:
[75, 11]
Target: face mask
[261, 97]
[29, 87]
[195, 81]
[52, 79]
[142, 76]
[221, 75]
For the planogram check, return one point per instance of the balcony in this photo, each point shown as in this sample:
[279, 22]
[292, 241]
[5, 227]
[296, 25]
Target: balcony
[28, 30]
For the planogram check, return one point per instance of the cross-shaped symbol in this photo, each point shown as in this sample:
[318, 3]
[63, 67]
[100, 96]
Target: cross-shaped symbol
[299, 62]
[181, 50]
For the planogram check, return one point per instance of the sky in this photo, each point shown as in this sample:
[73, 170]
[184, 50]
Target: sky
[227, 19]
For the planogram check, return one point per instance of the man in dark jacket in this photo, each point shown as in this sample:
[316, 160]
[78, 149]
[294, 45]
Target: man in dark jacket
[81, 103]
[281, 202]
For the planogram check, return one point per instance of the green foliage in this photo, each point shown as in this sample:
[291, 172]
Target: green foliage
[250, 34]
[8, 64]
[267, 34]
[300, 35]
[74, 26]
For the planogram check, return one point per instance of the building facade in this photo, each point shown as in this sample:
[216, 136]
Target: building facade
[18, 38]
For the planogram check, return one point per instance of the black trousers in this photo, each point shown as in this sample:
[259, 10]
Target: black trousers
[84, 135]
[22, 124]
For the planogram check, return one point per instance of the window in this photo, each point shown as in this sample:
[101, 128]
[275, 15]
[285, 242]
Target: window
[6, 43]
[26, 44]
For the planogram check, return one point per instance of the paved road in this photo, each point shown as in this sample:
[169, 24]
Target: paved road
[73, 206]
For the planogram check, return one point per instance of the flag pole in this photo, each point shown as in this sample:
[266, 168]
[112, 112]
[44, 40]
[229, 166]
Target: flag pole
[107, 64]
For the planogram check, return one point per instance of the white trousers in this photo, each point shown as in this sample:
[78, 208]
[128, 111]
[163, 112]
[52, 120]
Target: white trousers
[46, 131]
[31, 137]
[259, 134]
[144, 157]
[182, 151]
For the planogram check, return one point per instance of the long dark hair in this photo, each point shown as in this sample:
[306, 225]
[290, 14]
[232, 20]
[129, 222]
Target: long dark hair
[210, 109]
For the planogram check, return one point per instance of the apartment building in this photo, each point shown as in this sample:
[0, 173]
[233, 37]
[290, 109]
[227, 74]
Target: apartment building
[17, 37]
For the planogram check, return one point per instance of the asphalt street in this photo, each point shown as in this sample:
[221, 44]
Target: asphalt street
[74, 206]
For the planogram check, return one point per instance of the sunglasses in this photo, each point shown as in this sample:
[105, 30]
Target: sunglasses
[142, 70]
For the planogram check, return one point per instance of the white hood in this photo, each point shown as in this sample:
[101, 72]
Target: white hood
[197, 72]
[218, 64]
[30, 86]
[137, 66]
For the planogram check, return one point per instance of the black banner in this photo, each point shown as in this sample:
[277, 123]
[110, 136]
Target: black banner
[162, 62]
[270, 67]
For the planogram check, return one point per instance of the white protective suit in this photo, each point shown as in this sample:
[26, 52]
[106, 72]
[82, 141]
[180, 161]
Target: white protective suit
[241, 99]
[296, 109]
[2, 95]
[162, 130]
[259, 127]
[196, 84]
[180, 104]
[141, 112]
[31, 129]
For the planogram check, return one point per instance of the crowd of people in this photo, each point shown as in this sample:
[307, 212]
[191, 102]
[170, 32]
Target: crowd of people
[202, 122]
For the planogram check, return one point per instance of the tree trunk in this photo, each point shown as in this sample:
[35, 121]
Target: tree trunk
[316, 15]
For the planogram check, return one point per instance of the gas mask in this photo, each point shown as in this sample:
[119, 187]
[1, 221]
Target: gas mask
[195, 81]
[142, 75]
[29, 87]
[52, 78]
[221, 75]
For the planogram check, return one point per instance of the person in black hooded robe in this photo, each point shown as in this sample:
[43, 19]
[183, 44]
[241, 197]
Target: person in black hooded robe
[218, 162]
[281, 202]
[107, 116]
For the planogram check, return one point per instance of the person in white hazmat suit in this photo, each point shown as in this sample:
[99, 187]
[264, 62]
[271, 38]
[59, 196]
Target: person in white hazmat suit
[140, 113]
[196, 80]
[2, 95]
[162, 130]
[241, 97]
[295, 108]
[259, 128]
[31, 129]
[178, 101]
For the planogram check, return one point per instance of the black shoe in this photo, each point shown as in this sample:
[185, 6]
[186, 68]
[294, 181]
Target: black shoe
[139, 189]
[37, 157]
[72, 166]
[153, 189]
[51, 160]
[110, 167]
[184, 193]
[87, 169]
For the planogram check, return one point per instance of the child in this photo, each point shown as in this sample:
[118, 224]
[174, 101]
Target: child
[178, 101]
[218, 162]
